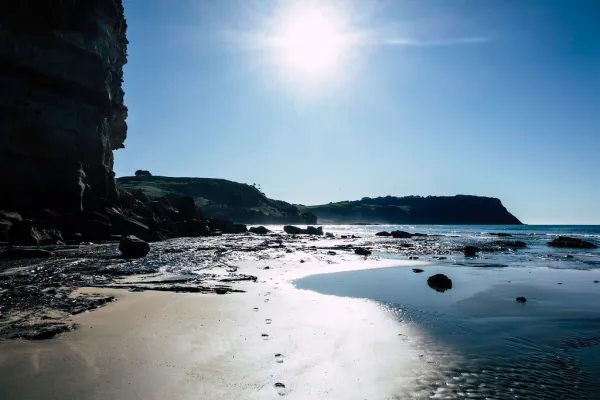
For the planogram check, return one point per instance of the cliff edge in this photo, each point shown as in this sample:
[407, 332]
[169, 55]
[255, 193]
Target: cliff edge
[61, 103]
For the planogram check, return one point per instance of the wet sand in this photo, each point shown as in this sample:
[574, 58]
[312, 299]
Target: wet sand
[271, 341]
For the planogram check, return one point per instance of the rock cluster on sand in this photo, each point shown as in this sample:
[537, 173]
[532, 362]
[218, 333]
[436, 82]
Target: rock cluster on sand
[361, 251]
[569, 242]
[133, 247]
[471, 251]
[261, 230]
[439, 282]
[310, 230]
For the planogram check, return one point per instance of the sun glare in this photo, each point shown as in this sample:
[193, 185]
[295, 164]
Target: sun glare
[311, 42]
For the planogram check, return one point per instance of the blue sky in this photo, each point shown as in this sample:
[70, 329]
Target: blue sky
[493, 98]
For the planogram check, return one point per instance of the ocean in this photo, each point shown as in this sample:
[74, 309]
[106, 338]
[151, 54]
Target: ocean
[475, 338]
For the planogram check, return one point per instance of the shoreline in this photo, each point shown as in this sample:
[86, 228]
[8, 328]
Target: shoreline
[178, 345]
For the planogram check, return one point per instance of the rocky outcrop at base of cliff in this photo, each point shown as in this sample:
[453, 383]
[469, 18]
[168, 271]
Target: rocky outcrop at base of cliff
[61, 104]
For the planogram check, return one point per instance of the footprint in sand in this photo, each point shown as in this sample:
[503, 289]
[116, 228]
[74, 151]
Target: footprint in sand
[280, 387]
[268, 321]
[279, 358]
[255, 308]
[266, 300]
[265, 336]
[268, 293]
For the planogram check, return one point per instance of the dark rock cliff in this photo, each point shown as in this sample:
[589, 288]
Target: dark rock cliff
[61, 103]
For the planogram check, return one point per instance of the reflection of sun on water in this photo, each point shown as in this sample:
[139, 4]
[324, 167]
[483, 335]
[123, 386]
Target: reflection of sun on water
[311, 42]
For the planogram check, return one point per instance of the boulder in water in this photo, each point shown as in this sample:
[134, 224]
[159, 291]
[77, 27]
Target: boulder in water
[292, 230]
[471, 251]
[417, 270]
[401, 235]
[439, 282]
[261, 230]
[361, 251]
[383, 233]
[521, 299]
[132, 247]
[565, 241]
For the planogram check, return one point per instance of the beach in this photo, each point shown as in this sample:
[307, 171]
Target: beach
[155, 345]
[306, 318]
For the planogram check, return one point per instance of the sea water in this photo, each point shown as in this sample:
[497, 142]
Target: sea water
[477, 340]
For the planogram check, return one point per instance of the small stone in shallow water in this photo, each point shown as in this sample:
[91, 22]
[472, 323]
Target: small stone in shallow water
[521, 299]
[417, 270]
[596, 281]
[439, 282]
[331, 253]
[220, 290]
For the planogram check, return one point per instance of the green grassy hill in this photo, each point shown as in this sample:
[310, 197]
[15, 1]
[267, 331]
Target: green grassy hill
[220, 198]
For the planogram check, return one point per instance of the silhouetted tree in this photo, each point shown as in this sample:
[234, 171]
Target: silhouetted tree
[142, 172]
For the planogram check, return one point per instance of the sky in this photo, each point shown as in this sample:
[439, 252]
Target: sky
[320, 101]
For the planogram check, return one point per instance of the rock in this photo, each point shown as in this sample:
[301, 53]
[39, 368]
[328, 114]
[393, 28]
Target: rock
[219, 290]
[331, 253]
[186, 207]
[383, 233]
[226, 226]
[596, 281]
[260, 230]
[292, 230]
[302, 261]
[311, 230]
[500, 234]
[362, 251]
[13, 253]
[417, 270]
[439, 282]
[4, 229]
[344, 236]
[24, 233]
[471, 251]
[62, 103]
[123, 225]
[521, 299]
[133, 247]
[330, 235]
[565, 241]
[401, 235]
[512, 244]
[10, 216]
[569, 256]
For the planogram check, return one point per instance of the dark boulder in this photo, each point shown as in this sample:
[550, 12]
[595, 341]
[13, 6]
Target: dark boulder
[500, 234]
[13, 253]
[330, 235]
[401, 235]
[261, 230]
[331, 253]
[362, 251]
[471, 251]
[186, 207]
[124, 225]
[237, 228]
[565, 241]
[439, 282]
[417, 270]
[384, 233]
[226, 226]
[521, 299]
[133, 247]
[292, 230]
[511, 244]
[311, 230]
[25, 233]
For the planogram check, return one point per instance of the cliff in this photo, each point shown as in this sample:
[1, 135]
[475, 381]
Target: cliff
[220, 198]
[61, 103]
[448, 210]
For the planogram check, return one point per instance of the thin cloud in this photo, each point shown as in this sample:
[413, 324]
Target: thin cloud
[434, 43]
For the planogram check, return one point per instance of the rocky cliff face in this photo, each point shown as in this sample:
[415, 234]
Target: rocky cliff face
[61, 103]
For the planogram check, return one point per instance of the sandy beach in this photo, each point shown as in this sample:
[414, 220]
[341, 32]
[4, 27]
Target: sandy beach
[271, 341]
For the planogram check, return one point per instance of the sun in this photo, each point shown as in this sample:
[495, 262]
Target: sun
[311, 41]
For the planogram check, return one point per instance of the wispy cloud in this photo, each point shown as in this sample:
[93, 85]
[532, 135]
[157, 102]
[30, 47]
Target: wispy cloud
[434, 43]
